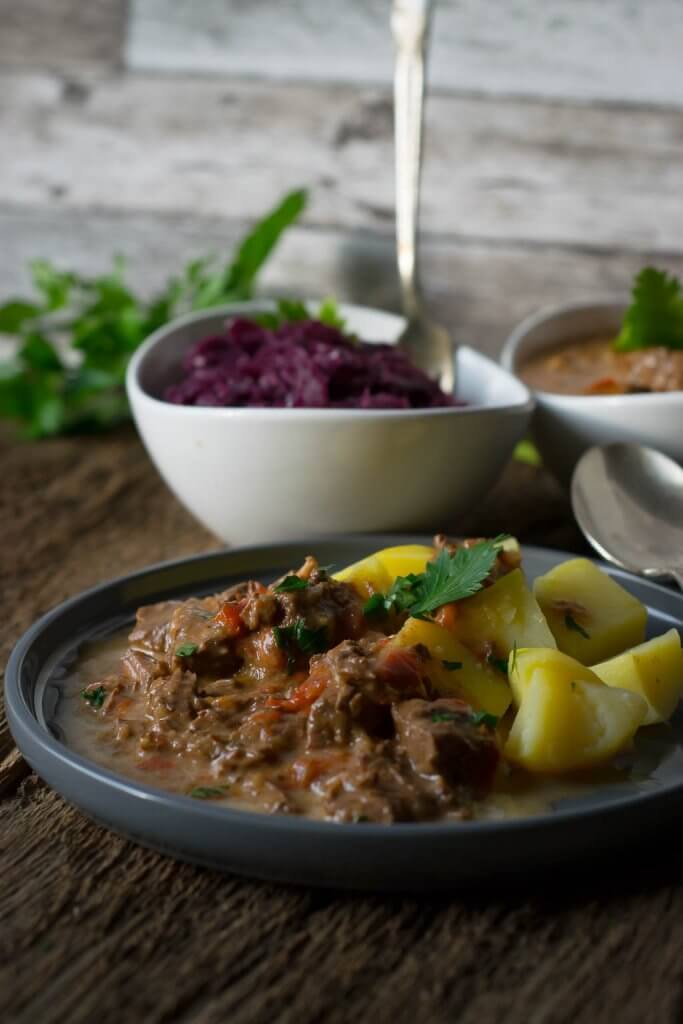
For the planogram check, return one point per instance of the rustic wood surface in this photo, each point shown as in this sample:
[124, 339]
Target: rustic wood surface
[96, 928]
[158, 128]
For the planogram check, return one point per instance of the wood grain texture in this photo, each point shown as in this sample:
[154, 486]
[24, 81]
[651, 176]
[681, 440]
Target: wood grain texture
[505, 171]
[61, 34]
[481, 290]
[612, 50]
[94, 927]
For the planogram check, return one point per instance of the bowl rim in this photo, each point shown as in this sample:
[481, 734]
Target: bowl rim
[524, 404]
[508, 356]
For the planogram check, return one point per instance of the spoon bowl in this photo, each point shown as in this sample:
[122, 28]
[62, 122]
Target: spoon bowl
[628, 501]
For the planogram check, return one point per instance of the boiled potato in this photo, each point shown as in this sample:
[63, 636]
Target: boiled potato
[592, 618]
[475, 681]
[654, 670]
[526, 662]
[377, 572]
[504, 616]
[564, 725]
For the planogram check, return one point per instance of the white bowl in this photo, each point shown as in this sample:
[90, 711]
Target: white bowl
[564, 426]
[253, 475]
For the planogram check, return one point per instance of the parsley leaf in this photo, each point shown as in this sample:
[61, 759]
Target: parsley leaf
[208, 792]
[484, 718]
[446, 716]
[448, 578]
[291, 311]
[655, 316]
[308, 641]
[571, 623]
[452, 666]
[290, 583]
[96, 697]
[499, 663]
[97, 322]
[186, 650]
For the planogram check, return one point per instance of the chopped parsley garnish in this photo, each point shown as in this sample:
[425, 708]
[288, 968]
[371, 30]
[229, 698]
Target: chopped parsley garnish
[448, 578]
[446, 716]
[655, 316]
[308, 641]
[186, 650]
[452, 666]
[96, 697]
[571, 623]
[476, 717]
[484, 718]
[499, 663]
[208, 792]
[290, 583]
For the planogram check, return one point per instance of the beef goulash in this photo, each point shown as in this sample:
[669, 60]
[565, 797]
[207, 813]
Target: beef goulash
[404, 688]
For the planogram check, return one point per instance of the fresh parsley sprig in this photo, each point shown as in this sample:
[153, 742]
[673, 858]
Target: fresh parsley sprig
[655, 316]
[448, 578]
[76, 336]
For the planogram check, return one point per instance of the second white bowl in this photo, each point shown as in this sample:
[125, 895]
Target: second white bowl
[253, 474]
[564, 426]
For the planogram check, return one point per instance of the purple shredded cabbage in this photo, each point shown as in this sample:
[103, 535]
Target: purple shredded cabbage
[301, 365]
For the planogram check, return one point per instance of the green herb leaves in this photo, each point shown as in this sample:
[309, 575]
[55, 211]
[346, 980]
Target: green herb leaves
[291, 311]
[76, 337]
[291, 583]
[209, 792]
[498, 663]
[186, 650]
[484, 718]
[440, 715]
[452, 666]
[299, 636]
[94, 697]
[571, 623]
[655, 316]
[448, 578]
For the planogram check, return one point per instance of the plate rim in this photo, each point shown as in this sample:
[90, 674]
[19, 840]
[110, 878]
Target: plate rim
[23, 720]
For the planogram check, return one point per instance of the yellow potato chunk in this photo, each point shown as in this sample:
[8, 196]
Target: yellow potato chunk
[454, 670]
[505, 615]
[378, 571]
[654, 670]
[564, 725]
[527, 662]
[592, 618]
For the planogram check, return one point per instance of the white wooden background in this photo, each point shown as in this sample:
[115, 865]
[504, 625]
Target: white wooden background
[554, 164]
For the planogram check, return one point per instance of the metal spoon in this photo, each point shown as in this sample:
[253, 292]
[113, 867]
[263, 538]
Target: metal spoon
[428, 344]
[628, 500]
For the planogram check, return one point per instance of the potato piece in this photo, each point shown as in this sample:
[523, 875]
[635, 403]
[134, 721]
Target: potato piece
[592, 618]
[525, 663]
[502, 616]
[485, 688]
[654, 670]
[378, 571]
[566, 725]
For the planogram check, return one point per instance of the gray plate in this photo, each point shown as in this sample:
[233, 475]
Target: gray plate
[402, 856]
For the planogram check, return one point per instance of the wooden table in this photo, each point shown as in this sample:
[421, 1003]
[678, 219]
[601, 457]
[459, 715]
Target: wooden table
[97, 928]
[158, 128]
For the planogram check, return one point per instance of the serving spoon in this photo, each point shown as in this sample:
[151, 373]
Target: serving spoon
[628, 501]
[428, 344]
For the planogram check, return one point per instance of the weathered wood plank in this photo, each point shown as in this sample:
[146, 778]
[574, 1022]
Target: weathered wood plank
[535, 172]
[614, 50]
[480, 289]
[61, 34]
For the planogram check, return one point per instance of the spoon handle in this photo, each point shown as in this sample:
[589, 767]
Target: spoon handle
[410, 25]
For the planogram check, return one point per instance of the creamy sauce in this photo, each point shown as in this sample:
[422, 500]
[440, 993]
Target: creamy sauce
[591, 366]
[517, 794]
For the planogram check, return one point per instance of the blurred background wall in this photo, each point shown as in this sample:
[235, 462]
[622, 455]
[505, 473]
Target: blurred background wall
[156, 128]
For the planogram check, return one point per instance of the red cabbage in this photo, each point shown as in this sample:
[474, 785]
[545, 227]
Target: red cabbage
[303, 364]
